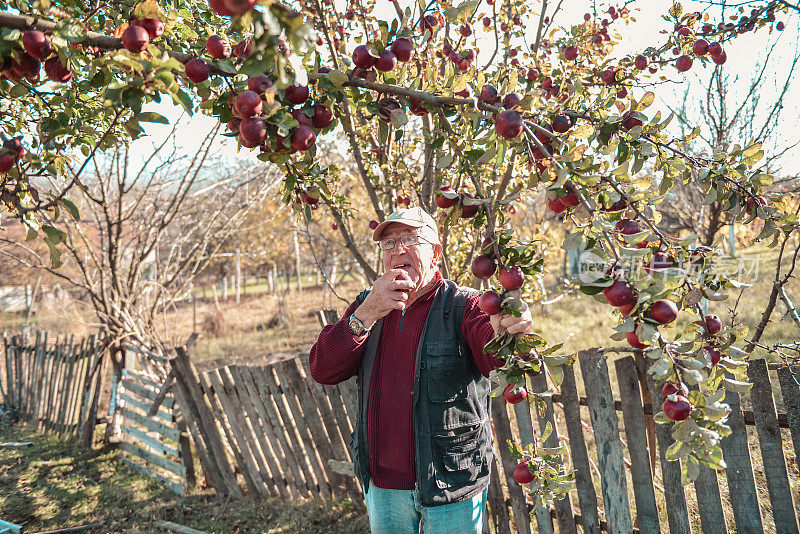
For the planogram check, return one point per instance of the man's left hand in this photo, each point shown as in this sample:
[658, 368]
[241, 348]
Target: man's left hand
[513, 325]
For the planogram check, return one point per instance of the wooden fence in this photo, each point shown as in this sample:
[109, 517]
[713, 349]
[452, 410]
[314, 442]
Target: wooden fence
[275, 431]
[53, 386]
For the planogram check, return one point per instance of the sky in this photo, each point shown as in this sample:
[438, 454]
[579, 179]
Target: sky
[743, 58]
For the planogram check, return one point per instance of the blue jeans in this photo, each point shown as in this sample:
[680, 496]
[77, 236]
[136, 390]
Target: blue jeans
[400, 512]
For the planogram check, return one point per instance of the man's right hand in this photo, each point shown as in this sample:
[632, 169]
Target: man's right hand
[389, 292]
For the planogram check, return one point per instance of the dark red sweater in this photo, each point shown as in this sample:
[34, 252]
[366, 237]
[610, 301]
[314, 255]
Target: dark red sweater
[336, 356]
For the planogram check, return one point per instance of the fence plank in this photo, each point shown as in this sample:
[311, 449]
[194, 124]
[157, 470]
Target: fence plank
[154, 459]
[677, 512]
[286, 427]
[171, 484]
[315, 416]
[587, 497]
[99, 368]
[498, 515]
[309, 427]
[709, 503]
[502, 428]
[145, 392]
[145, 407]
[76, 385]
[150, 441]
[245, 458]
[769, 439]
[636, 437]
[789, 378]
[156, 426]
[269, 418]
[562, 507]
[66, 397]
[259, 435]
[609, 456]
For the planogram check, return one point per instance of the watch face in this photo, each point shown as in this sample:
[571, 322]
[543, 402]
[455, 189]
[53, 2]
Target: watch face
[356, 326]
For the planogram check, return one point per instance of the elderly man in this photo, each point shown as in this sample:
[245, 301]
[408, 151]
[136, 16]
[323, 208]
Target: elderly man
[422, 445]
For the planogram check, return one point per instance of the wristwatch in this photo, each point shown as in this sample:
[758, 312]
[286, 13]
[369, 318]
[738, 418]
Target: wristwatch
[357, 328]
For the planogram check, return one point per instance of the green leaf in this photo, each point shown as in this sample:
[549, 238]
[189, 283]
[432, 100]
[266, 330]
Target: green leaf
[337, 78]
[151, 116]
[73, 210]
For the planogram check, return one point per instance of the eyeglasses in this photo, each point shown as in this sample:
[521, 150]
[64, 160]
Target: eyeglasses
[408, 240]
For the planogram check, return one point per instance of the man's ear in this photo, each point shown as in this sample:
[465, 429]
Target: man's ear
[437, 253]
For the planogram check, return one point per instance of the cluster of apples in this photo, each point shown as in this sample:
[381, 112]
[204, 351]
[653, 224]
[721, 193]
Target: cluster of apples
[140, 32]
[364, 58]
[446, 198]
[28, 61]
[563, 199]
[11, 152]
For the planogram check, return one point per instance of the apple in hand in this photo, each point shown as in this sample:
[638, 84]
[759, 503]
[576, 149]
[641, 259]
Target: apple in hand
[512, 278]
[490, 303]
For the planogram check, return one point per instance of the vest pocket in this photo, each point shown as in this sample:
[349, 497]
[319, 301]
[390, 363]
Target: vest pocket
[459, 456]
[447, 378]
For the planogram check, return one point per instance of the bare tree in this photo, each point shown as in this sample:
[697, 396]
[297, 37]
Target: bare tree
[145, 233]
[729, 119]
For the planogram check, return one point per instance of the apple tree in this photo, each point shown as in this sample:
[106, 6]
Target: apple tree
[427, 119]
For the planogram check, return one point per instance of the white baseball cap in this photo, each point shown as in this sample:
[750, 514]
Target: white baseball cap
[416, 218]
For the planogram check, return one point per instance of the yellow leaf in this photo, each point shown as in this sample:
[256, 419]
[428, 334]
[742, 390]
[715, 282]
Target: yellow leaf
[646, 101]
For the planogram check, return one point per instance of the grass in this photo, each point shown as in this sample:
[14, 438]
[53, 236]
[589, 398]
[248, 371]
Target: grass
[53, 484]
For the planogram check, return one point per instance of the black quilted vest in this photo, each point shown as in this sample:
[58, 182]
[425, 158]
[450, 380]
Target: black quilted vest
[452, 431]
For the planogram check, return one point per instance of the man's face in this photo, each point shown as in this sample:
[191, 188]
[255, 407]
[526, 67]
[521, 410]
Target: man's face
[419, 261]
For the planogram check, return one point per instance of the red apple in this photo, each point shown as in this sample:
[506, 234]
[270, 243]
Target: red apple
[135, 39]
[713, 323]
[512, 100]
[634, 341]
[626, 309]
[297, 94]
[218, 48]
[417, 108]
[658, 262]
[465, 30]
[248, 103]
[234, 124]
[678, 409]
[513, 397]
[334, 226]
[36, 44]
[302, 118]
[489, 94]
[619, 293]
[253, 130]
[402, 49]
[570, 200]
[684, 63]
[323, 116]
[303, 137]
[56, 71]
[243, 48]
[259, 84]
[153, 27]
[362, 58]
[700, 47]
[664, 311]
[373, 224]
[490, 303]
[385, 107]
[6, 162]
[715, 49]
[508, 124]
[197, 70]
[720, 58]
[629, 121]
[608, 76]
[671, 388]
[483, 267]
[442, 201]
[468, 210]
[219, 8]
[627, 227]
[239, 7]
[14, 146]
[571, 52]
[561, 123]
[714, 353]
[556, 205]
[512, 278]
[386, 61]
[522, 473]
[640, 62]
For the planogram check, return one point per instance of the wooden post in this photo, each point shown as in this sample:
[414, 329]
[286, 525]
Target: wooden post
[297, 263]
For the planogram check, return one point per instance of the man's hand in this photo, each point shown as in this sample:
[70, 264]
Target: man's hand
[513, 325]
[389, 292]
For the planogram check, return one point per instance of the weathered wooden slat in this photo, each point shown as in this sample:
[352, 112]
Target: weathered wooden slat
[76, 385]
[147, 393]
[256, 479]
[349, 395]
[38, 381]
[522, 412]
[769, 439]
[587, 497]
[165, 430]
[502, 429]
[161, 396]
[197, 408]
[300, 388]
[497, 503]
[171, 484]
[563, 507]
[54, 383]
[677, 512]
[145, 407]
[309, 427]
[66, 390]
[265, 415]
[154, 459]
[636, 438]
[709, 503]
[141, 377]
[58, 397]
[789, 379]
[606, 430]
[87, 432]
[271, 394]
[150, 441]
[185, 445]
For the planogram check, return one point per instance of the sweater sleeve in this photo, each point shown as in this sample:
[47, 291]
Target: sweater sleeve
[336, 356]
[477, 332]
